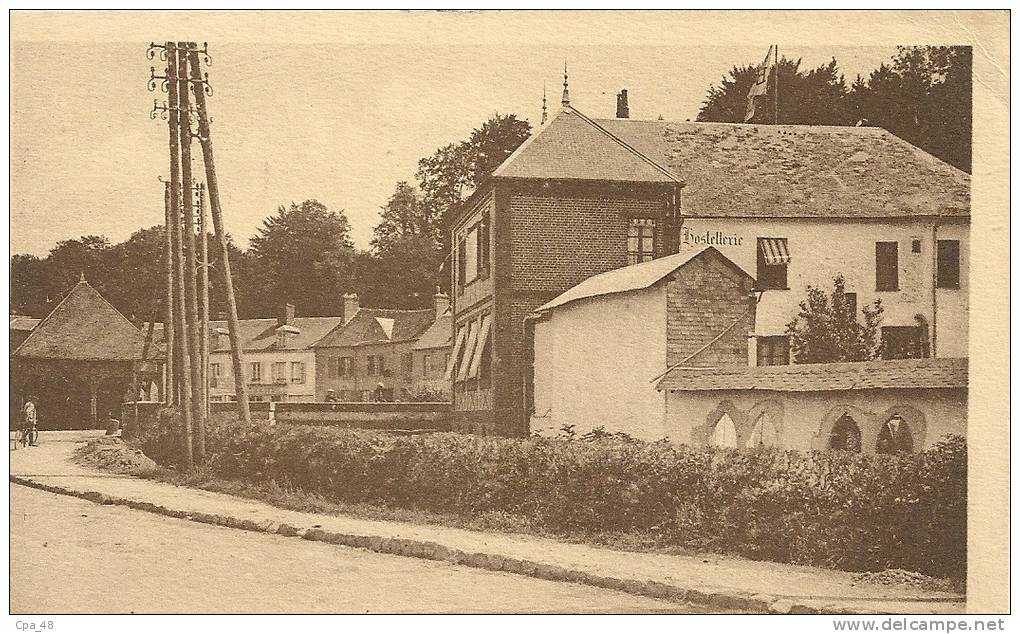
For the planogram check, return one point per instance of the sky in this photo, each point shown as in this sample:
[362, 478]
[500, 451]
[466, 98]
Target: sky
[336, 118]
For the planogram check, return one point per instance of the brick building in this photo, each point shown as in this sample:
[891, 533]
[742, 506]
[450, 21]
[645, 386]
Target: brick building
[792, 204]
[369, 356]
[600, 345]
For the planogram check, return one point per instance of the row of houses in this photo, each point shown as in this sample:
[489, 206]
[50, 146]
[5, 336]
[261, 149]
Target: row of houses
[367, 354]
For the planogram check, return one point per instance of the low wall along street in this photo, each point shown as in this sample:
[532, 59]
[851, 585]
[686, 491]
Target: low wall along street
[384, 416]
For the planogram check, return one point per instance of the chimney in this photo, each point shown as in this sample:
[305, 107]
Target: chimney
[286, 315]
[351, 306]
[442, 301]
[622, 109]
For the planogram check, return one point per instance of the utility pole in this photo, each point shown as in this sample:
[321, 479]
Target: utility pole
[191, 287]
[168, 314]
[204, 228]
[184, 384]
[201, 86]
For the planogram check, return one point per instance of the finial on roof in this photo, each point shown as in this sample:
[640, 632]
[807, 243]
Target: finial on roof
[566, 92]
[545, 115]
[82, 278]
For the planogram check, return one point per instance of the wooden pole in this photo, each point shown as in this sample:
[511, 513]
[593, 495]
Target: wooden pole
[191, 270]
[775, 111]
[204, 228]
[168, 314]
[236, 352]
[184, 384]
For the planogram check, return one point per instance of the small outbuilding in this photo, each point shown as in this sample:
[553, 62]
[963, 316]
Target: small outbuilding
[600, 346]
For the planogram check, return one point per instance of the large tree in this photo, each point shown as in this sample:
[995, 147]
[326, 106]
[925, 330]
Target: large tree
[924, 97]
[813, 97]
[828, 328]
[302, 255]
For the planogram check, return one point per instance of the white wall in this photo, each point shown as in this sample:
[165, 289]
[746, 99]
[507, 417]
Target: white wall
[819, 249]
[593, 362]
[295, 391]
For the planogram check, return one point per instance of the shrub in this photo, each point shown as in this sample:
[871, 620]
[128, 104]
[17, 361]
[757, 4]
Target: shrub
[850, 511]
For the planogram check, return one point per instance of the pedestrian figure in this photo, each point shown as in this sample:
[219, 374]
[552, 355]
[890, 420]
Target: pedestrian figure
[29, 423]
[331, 397]
[380, 393]
[895, 436]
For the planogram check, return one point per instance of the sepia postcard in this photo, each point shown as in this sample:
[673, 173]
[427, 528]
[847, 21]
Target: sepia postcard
[510, 312]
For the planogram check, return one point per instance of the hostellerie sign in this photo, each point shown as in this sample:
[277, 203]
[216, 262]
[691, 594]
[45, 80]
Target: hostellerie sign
[696, 237]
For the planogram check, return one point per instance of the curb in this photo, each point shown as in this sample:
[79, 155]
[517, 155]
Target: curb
[756, 603]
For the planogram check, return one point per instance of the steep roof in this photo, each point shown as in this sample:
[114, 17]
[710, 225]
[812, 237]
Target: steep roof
[750, 170]
[799, 171]
[822, 377]
[572, 146]
[374, 325]
[439, 334]
[634, 277]
[84, 327]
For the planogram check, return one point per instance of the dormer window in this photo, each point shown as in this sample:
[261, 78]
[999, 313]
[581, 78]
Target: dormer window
[285, 336]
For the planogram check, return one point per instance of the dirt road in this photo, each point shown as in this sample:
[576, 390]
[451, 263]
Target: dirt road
[73, 556]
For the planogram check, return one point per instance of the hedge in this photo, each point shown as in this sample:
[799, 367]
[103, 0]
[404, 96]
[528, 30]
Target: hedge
[835, 509]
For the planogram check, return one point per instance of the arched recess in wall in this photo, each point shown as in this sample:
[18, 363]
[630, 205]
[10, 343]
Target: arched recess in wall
[725, 426]
[846, 428]
[903, 429]
[765, 422]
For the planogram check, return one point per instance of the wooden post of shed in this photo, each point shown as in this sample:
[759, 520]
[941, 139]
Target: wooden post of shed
[92, 400]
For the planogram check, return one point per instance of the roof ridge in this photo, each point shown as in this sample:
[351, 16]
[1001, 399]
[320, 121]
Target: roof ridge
[45, 319]
[627, 146]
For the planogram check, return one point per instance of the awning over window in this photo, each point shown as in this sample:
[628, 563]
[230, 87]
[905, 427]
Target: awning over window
[774, 250]
[456, 351]
[469, 351]
[483, 336]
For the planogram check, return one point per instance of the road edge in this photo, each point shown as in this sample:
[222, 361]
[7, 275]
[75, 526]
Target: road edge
[721, 600]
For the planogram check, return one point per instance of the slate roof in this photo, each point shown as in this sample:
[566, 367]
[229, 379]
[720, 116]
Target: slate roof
[84, 327]
[822, 377]
[633, 277]
[572, 146]
[439, 334]
[259, 335]
[369, 326]
[751, 170]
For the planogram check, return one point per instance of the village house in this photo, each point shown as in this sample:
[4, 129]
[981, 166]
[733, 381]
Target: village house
[369, 356]
[791, 205]
[431, 355]
[278, 356]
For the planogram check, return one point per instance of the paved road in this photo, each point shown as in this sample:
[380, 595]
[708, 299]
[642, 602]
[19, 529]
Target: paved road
[73, 556]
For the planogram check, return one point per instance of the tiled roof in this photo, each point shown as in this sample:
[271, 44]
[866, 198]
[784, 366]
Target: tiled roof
[751, 170]
[439, 334]
[572, 146]
[822, 377]
[633, 277]
[84, 327]
[369, 326]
